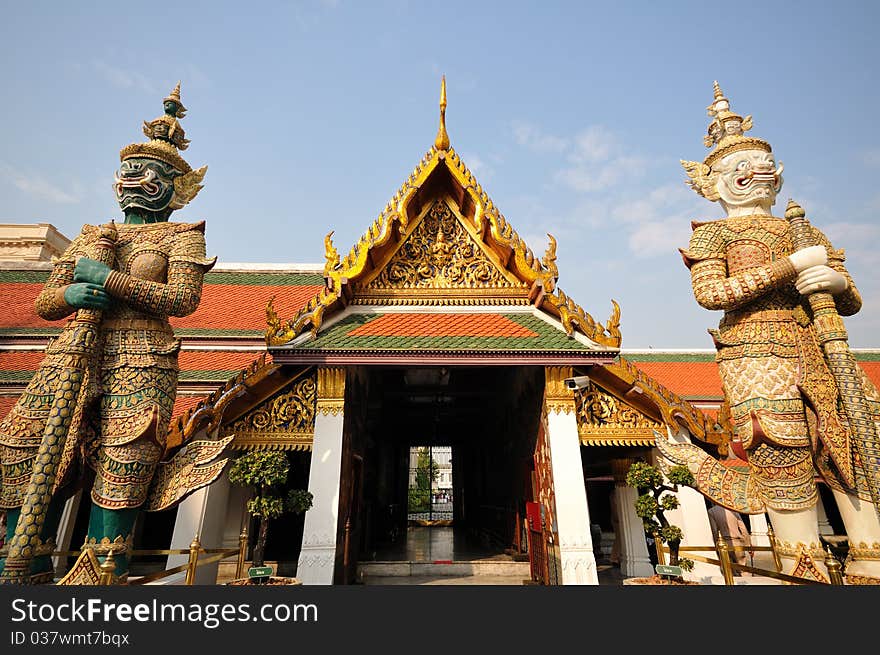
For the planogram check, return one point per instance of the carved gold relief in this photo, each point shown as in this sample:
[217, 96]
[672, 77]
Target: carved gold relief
[331, 390]
[440, 254]
[284, 421]
[558, 397]
[603, 420]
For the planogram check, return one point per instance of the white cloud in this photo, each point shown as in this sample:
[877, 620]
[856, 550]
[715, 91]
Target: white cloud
[659, 220]
[594, 144]
[602, 175]
[538, 242]
[611, 193]
[531, 137]
[35, 185]
[853, 233]
[477, 166]
[659, 237]
[871, 157]
[123, 79]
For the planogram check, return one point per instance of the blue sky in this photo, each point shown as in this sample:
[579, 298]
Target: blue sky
[573, 116]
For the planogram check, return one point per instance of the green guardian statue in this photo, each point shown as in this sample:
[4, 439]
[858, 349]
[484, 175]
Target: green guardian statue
[96, 413]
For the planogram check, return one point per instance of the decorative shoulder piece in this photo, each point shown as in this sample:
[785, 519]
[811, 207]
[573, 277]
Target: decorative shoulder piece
[187, 186]
[701, 179]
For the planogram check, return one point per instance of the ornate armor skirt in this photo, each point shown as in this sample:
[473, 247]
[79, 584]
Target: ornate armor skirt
[770, 419]
[780, 432]
[118, 429]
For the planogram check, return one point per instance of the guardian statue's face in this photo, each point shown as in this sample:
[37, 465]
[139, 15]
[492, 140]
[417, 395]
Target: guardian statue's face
[145, 183]
[748, 178]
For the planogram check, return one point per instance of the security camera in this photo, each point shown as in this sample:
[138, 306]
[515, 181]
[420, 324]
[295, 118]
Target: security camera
[578, 382]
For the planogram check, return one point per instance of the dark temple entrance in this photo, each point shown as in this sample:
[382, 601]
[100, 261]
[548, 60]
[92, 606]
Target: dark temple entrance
[485, 420]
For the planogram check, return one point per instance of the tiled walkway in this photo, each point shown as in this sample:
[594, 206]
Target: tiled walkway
[432, 544]
[446, 545]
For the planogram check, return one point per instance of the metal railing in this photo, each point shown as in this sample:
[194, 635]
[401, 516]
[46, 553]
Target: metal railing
[194, 561]
[728, 566]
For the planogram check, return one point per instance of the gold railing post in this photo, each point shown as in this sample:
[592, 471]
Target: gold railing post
[242, 553]
[661, 554]
[833, 567]
[772, 537]
[724, 558]
[108, 566]
[193, 562]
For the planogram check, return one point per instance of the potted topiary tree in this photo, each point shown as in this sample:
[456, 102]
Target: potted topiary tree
[653, 501]
[264, 472]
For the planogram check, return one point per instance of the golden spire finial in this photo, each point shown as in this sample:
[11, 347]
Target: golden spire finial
[717, 90]
[442, 140]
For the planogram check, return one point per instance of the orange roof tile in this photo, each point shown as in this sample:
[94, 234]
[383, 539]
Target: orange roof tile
[686, 379]
[215, 360]
[873, 371]
[189, 360]
[6, 404]
[18, 306]
[183, 403]
[20, 360]
[442, 325]
[223, 306]
[243, 307]
[701, 379]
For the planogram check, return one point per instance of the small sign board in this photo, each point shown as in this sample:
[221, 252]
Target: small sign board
[665, 569]
[260, 572]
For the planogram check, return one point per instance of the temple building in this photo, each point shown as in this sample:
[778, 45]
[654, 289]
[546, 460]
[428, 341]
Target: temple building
[439, 329]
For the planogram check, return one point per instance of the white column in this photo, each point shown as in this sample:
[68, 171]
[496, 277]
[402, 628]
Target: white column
[202, 513]
[693, 519]
[318, 554]
[572, 514]
[824, 524]
[634, 558]
[235, 515]
[65, 531]
[760, 536]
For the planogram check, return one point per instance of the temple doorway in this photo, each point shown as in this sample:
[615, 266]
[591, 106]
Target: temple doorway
[447, 456]
[430, 489]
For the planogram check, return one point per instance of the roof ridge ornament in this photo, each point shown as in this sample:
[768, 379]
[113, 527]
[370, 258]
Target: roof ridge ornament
[442, 140]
